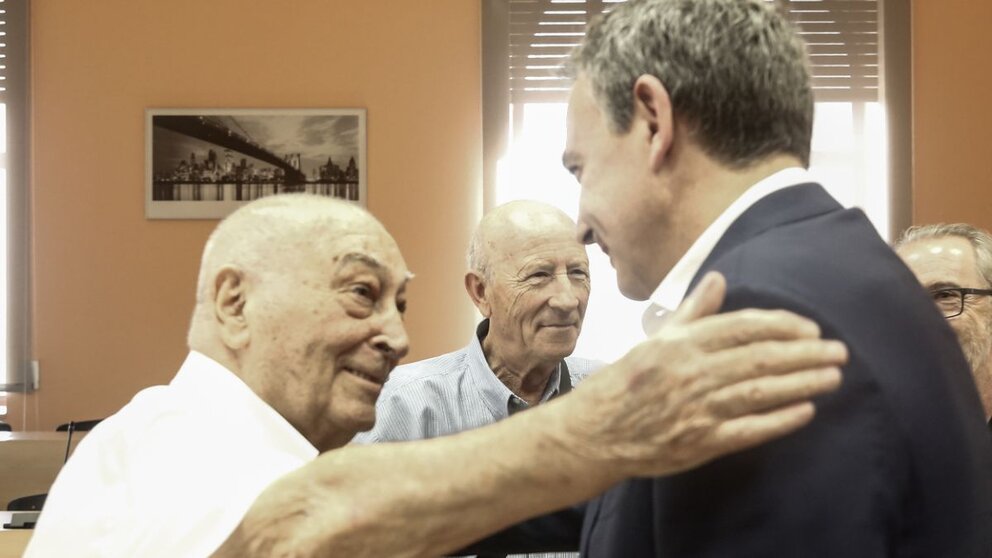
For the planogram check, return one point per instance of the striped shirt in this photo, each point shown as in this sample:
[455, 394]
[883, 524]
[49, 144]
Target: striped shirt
[455, 392]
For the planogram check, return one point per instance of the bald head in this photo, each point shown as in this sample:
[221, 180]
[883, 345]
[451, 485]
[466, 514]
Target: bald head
[302, 297]
[256, 235]
[501, 229]
[530, 277]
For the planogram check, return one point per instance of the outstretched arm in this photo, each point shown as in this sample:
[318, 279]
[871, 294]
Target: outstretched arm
[702, 387]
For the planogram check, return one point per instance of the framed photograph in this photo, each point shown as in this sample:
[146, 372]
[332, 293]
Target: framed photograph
[204, 163]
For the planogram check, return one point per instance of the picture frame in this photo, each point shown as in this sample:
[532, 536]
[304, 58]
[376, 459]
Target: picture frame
[205, 163]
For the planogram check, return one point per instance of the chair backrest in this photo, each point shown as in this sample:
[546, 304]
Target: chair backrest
[78, 425]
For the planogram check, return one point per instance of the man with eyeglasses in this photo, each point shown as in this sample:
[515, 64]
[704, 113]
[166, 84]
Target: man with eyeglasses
[954, 263]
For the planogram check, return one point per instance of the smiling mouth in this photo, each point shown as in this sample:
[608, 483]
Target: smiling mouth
[559, 326]
[364, 376]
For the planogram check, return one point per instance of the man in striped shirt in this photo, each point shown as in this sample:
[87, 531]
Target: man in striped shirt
[529, 278]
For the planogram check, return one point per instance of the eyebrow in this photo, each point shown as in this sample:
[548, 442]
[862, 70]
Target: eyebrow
[401, 288]
[942, 285]
[376, 265]
[358, 257]
[544, 265]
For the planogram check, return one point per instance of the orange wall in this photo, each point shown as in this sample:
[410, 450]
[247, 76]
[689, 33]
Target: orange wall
[952, 111]
[112, 290]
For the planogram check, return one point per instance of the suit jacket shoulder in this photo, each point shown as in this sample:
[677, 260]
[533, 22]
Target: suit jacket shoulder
[897, 462]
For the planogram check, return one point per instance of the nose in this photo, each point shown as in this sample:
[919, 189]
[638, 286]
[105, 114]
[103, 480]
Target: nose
[564, 299]
[584, 234]
[392, 341]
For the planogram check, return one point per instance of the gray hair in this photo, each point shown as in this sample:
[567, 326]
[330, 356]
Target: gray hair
[478, 256]
[735, 71]
[979, 239]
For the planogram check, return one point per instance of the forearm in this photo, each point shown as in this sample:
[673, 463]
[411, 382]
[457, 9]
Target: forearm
[700, 388]
[423, 498]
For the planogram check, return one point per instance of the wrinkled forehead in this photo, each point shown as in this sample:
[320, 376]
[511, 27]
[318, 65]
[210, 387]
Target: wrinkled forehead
[362, 243]
[949, 259]
[552, 240]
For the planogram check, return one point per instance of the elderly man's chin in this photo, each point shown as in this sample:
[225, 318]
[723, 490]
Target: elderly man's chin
[556, 343]
[357, 420]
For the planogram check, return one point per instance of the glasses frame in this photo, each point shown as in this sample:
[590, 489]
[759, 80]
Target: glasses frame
[962, 292]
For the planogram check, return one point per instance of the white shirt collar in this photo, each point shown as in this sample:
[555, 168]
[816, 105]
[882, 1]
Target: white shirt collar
[224, 395]
[673, 287]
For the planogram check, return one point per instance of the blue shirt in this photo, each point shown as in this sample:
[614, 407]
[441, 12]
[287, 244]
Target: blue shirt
[454, 392]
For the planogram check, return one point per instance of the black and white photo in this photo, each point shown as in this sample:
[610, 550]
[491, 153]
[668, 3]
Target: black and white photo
[204, 163]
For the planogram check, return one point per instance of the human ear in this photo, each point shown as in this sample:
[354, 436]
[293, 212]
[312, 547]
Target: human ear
[653, 110]
[475, 285]
[230, 298]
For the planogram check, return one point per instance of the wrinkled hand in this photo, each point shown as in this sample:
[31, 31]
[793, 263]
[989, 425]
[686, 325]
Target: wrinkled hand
[704, 386]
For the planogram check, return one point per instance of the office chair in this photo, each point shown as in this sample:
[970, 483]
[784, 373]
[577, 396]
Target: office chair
[33, 502]
[78, 425]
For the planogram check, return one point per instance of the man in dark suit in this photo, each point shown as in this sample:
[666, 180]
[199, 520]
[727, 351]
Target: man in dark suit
[689, 130]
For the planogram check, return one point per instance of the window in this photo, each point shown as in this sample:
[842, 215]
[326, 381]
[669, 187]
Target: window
[525, 42]
[14, 261]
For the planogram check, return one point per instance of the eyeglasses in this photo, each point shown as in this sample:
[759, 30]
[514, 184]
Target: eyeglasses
[951, 301]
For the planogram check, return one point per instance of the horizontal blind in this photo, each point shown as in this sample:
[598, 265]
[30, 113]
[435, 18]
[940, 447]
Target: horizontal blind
[13, 52]
[14, 72]
[842, 39]
[542, 35]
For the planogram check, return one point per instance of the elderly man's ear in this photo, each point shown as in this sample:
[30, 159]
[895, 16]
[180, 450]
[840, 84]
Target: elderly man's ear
[230, 297]
[476, 287]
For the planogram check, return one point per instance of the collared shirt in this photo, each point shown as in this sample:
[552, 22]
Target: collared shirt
[172, 473]
[669, 294]
[453, 392]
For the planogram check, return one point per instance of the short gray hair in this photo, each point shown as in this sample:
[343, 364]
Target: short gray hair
[979, 239]
[735, 70]
[478, 256]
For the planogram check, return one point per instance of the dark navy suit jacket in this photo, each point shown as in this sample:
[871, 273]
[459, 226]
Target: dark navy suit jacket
[897, 463]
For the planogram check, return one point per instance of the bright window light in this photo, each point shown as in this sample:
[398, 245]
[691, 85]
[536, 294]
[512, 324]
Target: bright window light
[532, 169]
[848, 159]
[3, 246]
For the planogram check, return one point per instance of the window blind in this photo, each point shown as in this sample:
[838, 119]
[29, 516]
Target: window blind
[14, 72]
[842, 38]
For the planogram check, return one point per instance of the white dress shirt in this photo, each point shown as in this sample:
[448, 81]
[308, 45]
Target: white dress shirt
[669, 294]
[170, 474]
